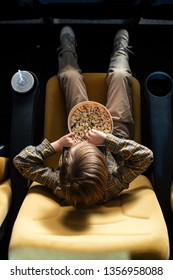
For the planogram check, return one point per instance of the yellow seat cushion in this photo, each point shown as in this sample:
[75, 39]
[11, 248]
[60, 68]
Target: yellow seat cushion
[132, 223]
[130, 226]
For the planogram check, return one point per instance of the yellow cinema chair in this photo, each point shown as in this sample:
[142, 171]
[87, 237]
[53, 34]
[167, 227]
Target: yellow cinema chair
[172, 197]
[131, 226]
[5, 191]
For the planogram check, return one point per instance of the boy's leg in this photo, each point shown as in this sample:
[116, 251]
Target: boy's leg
[119, 80]
[69, 73]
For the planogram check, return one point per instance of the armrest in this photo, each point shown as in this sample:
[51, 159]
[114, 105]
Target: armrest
[24, 107]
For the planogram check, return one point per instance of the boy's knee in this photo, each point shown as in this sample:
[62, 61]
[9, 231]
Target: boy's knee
[119, 74]
[69, 73]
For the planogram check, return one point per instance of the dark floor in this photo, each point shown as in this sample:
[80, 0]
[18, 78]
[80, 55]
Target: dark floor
[34, 48]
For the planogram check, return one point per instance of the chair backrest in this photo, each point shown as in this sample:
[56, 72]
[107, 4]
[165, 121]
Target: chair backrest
[55, 123]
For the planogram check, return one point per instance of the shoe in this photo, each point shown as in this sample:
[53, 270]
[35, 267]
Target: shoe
[121, 41]
[67, 39]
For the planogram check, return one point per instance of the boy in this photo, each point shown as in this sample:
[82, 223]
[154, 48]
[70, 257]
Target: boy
[86, 175]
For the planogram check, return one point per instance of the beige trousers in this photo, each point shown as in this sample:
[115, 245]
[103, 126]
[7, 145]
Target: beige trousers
[119, 79]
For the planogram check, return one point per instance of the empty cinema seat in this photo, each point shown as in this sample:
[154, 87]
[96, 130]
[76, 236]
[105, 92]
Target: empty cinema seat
[5, 190]
[130, 226]
[5, 194]
[172, 197]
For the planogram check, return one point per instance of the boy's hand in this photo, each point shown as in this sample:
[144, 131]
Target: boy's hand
[96, 137]
[67, 140]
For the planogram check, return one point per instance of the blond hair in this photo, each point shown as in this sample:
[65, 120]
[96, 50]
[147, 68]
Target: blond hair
[83, 175]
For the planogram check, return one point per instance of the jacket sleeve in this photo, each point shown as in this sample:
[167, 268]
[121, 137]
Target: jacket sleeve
[132, 159]
[30, 164]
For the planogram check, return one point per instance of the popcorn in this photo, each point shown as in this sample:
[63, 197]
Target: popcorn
[89, 115]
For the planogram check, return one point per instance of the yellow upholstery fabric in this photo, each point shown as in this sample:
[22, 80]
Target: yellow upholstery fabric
[130, 226]
[172, 196]
[3, 168]
[131, 223]
[5, 190]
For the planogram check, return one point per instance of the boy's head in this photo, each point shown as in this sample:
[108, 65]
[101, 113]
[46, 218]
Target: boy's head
[83, 175]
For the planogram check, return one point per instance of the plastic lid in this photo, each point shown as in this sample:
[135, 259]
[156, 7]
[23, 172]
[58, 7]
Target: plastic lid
[22, 81]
